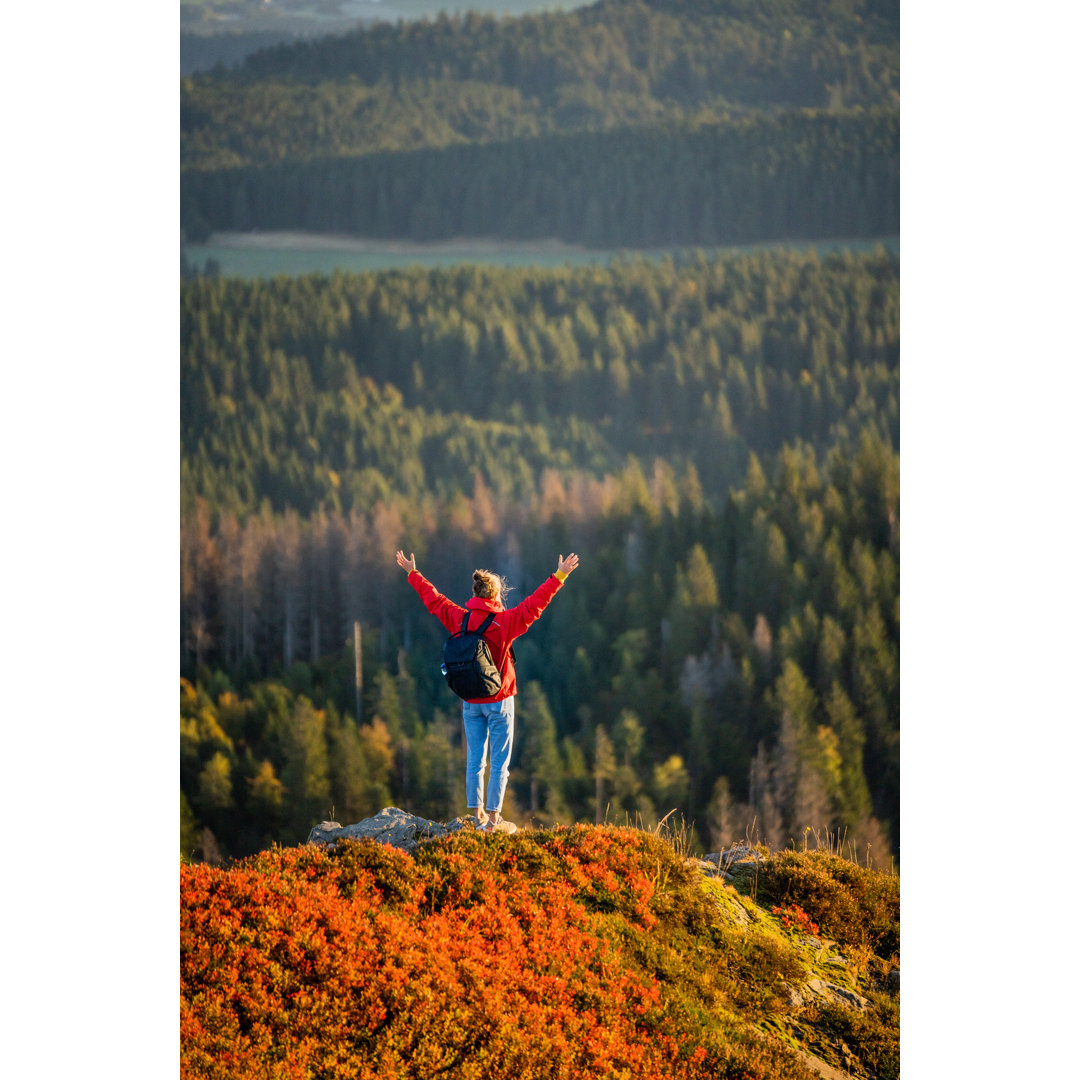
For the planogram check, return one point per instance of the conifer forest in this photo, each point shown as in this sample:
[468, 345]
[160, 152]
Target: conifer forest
[715, 433]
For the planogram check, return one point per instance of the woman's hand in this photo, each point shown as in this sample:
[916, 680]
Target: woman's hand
[408, 564]
[566, 565]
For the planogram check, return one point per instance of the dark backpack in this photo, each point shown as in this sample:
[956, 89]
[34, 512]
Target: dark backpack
[470, 672]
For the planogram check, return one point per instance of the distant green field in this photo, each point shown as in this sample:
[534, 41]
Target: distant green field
[269, 262]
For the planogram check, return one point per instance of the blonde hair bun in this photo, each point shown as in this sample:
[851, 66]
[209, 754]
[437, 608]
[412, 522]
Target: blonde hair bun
[488, 585]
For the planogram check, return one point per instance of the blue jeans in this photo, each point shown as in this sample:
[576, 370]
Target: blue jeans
[492, 722]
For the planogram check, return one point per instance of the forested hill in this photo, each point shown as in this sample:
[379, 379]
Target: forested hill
[686, 52]
[718, 440]
[340, 391]
[759, 105]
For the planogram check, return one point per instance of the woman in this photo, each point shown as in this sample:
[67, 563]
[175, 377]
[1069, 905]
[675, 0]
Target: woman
[490, 721]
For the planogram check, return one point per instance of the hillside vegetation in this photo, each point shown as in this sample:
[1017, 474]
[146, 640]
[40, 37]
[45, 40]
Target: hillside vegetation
[774, 119]
[341, 390]
[718, 440]
[570, 953]
[475, 78]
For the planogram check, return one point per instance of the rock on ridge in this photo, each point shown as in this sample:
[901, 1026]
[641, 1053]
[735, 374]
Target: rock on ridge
[392, 826]
[829, 993]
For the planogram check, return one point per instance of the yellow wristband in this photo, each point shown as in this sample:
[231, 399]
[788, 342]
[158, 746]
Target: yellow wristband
[562, 575]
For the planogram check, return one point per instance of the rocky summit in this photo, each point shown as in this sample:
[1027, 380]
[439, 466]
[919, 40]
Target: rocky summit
[392, 826]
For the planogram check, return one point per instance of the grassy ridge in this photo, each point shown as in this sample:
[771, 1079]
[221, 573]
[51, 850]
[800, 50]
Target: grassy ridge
[575, 952]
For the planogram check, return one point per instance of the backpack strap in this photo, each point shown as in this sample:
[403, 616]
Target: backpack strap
[481, 628]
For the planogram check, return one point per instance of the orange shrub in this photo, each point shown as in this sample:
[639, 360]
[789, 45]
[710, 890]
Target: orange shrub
[365, 962]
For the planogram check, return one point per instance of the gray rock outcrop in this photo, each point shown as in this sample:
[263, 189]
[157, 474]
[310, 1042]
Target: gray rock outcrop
[709, 868]
[823, 1068]
[392, 826]
[829, 993]
[738, 857]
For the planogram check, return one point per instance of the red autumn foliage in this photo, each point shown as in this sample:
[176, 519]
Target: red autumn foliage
[794, 918]
[481, 957]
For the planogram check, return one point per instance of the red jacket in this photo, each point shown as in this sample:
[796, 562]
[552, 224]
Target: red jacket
[508, 624]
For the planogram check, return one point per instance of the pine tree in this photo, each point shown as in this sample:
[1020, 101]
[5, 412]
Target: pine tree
[540, 753]
[603, 769]
[215, 790]
[267, 797]
[349, 779]
[696, 600]
[719, 815]
[189, 829]
[288, 575]
[200, 571]
[378, 751]
[306, 769]
[768, 820]
[671, 784]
